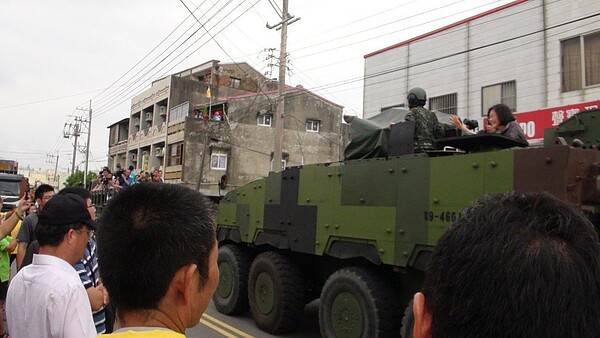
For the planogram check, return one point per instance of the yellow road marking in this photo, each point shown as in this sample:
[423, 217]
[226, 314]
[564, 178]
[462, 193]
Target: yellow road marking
[216, 328]
[228, 327]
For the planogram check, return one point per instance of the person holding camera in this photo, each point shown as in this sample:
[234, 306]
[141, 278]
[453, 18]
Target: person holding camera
[500, 121]
[122, 176]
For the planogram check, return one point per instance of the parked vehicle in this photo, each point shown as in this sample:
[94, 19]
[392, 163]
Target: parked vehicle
[12, 184]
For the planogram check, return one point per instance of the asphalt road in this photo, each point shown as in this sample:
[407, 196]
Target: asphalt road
[216, 325]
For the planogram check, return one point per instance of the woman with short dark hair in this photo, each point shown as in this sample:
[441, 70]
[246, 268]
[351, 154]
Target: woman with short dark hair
[500, 120]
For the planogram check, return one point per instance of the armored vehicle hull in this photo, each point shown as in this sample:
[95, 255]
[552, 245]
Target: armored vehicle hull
[358, 234]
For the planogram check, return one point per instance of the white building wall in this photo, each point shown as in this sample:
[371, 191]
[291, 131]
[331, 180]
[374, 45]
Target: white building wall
[384, 83]
[505, 45]
[557, 13]
[440, 67]
[508, 46]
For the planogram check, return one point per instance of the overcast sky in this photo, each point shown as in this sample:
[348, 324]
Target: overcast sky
[56, 56]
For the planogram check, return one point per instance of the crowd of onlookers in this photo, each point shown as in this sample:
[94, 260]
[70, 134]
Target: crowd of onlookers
[124, 178]
[56, 289]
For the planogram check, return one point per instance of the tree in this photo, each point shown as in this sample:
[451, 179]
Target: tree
[76, 179]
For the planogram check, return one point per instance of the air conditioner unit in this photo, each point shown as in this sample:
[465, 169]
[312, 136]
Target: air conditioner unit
[160, 152]
[162, 110]
[149, 116]
[133, 157]
[136, 122]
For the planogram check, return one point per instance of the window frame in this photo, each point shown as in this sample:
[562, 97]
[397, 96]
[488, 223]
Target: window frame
[263, 117]
[448, 99]
[177, 158]
[580, 74]
[219, 155]
[509, 99]
[313, 123]
[235, 82]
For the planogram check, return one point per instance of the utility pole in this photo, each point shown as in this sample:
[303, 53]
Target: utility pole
[72, 129]
[87, 124]
[53, 160]
[279, 119]
[87, 148]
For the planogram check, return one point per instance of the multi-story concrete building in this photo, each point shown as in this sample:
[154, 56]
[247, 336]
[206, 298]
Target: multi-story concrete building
[212, 127]
[528, 54]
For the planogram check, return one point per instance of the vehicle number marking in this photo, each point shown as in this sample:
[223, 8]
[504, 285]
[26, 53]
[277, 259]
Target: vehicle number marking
[442, 216]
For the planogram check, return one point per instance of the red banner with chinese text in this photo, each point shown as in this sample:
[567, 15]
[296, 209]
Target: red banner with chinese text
[534, 122]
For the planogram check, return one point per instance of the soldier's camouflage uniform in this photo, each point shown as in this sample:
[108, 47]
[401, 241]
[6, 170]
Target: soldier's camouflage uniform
[427, 128]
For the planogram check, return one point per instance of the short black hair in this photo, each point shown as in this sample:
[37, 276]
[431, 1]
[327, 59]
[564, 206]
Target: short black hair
[41, 190]
[505, 115]
[53, 235]
[516, 265]
[148, 232]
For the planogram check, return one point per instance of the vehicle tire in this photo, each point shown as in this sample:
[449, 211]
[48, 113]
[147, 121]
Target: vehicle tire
[231, 297]
[276, 293]
[408, 322]
[356, 302]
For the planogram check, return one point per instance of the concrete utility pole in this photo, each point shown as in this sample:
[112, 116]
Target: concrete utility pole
[87, 147]
[72, 129]
[53, 160]
[87, 124]
[279, 119]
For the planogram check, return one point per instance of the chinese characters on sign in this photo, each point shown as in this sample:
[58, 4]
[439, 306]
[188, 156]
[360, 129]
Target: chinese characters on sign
[533, 123]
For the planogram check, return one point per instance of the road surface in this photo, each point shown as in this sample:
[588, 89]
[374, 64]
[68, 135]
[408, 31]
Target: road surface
[216, 325]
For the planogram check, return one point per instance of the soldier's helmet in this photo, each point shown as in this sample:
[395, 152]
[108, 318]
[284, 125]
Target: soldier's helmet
[416, 97]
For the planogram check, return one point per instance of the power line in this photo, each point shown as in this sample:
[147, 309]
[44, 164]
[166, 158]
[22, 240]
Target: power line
[124, 96]
[114, 96]
[150, 52]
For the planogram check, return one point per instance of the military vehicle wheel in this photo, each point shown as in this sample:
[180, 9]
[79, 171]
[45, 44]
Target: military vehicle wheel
[358, 303]
[408, 322]
[276, 293]
[231, 297]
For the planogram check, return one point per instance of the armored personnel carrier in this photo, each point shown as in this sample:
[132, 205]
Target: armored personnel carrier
[358, 234]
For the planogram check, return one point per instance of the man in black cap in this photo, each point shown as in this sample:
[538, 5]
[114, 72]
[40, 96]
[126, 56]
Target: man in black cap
[47, 298]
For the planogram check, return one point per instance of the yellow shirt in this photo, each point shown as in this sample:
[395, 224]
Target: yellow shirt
[150, 333]
[13, 234]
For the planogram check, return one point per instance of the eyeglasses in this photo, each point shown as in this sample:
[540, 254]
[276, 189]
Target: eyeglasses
[90, 233]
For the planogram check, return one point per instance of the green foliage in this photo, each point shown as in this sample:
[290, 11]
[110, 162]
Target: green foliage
[76, 179]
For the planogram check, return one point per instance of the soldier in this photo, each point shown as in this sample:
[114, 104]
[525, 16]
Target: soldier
[427, 126]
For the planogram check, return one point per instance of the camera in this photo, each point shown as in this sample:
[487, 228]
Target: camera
[471, 124]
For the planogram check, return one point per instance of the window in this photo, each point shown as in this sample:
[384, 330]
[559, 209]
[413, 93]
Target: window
[179, 113]
[576, 75]
[505, 93]
[313, 125]
[265, 120]
[176, 154]
[444, 104]
[234, 82]
[218, 161]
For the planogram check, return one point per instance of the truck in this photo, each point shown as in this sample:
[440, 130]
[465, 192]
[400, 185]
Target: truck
[12, 185]
[358, 234]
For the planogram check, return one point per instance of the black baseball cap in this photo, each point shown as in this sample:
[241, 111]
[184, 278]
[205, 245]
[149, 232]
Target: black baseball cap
[64, 209]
